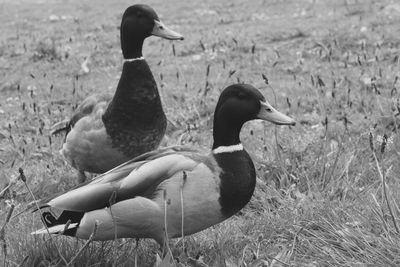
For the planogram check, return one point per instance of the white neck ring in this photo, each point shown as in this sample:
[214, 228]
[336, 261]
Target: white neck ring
[228, 149]
[133, 59]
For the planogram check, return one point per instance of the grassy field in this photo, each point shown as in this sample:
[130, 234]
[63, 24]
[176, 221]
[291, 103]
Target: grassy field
[327, 193]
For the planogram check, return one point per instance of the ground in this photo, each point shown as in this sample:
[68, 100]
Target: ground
[327, 188]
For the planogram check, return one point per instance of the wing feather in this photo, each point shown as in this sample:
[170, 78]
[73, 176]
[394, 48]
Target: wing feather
[128, 180]
[85, 198]
[122, 170]
[87, 106]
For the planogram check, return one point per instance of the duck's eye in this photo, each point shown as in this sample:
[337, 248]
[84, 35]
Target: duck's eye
[161, 27]
[268, 109]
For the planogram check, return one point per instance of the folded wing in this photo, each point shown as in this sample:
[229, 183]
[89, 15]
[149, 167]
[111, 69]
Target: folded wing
[87, 106]
[134, 178]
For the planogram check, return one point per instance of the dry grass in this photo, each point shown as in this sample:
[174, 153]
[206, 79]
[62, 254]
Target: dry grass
[327, 190]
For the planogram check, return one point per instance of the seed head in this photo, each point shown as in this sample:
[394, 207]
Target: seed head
[22, 175]
[371, 141]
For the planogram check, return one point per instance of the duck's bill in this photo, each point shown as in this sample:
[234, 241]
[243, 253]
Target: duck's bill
[268, 113]
[163, 31]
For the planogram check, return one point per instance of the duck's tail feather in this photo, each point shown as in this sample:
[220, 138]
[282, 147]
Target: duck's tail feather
[57, 229]
[66, 224]
[59, 127]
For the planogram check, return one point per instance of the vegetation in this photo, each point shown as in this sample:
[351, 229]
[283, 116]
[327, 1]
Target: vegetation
[327, 188]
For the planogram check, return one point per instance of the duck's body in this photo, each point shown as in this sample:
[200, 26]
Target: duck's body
[150, 188]
[210, 195]
[108, 130]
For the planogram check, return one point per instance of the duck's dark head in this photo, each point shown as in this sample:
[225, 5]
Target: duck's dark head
[138, 23]
[238, 104]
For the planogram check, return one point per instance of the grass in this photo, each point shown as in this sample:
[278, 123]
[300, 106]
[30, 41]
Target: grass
[327, 189]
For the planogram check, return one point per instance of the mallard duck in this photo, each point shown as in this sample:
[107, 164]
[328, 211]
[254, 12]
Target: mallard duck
[107, 130]
[214, 185]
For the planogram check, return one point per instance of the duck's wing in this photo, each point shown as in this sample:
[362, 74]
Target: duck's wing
[114, 174]
[134, 178]
[87, 106]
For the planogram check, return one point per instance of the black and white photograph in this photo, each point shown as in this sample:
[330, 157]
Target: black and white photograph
[210, 133]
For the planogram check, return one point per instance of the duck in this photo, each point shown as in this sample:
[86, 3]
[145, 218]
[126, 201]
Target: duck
[172, 191]
[107, 130]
